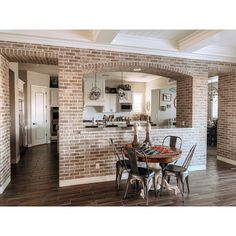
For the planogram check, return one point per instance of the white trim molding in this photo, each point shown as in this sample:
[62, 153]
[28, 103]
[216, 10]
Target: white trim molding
[90, 180]
[196, 168]
[13, 37]
[3, 187]
[15, 161]
[226, 160]
[97, 179]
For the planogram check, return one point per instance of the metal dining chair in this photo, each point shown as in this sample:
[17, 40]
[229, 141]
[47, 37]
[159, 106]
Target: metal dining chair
[179, 172]
[141, 174]
[174, 141]
[122, 164]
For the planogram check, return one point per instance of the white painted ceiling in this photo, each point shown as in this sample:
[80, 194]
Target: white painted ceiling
[200, 44]
[127, 76]
[51, 70]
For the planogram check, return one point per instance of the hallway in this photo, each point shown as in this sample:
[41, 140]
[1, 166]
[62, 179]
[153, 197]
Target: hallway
[33, 177]
[35, 182]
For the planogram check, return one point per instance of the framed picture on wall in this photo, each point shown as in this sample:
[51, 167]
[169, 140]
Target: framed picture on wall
[166, 97]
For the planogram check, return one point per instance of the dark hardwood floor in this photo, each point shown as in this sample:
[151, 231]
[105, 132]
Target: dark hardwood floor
[35, 183]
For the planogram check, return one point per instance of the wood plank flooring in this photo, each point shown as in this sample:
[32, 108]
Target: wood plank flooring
[35, 183]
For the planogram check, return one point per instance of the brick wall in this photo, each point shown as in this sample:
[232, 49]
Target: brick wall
[80, 149]
[226, 129]
[5, 170]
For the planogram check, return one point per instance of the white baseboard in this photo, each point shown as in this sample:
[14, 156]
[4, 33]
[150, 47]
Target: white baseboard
[97, 179]
[90, 180]
[229, 161]
[198, 167]
[2, 188]
[29, 145]
[15, 161]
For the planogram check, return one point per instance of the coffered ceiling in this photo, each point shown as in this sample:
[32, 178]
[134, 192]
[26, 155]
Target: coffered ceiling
[200, 44]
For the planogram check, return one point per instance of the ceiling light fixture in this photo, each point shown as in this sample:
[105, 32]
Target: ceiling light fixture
[121, 92]
[212, 92]
[95, 92]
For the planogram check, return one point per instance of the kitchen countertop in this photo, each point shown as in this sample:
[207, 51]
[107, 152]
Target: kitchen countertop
[131, 128]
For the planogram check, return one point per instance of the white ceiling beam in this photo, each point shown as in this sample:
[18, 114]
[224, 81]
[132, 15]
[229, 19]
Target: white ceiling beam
[197, 40]
[105, 36]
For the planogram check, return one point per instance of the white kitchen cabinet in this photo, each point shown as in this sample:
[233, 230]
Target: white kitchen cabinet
[54, 97]
[88, 85]
[110, 103]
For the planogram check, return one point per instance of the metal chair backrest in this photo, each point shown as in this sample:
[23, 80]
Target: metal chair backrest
[189, 157]
[115, 151]
[173, 141]
[133, 161]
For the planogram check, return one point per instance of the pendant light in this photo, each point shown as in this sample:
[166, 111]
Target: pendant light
[212, 93]
[95, 92]
[121, 92]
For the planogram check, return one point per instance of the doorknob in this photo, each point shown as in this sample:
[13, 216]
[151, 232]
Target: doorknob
[34, 123]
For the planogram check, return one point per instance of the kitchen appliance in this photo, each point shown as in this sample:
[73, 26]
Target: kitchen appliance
[126, 107]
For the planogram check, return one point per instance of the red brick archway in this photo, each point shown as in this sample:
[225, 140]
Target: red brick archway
[150, 68]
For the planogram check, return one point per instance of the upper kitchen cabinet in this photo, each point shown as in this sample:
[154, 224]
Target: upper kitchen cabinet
[89, 85]
[110, 103]
[54, 97]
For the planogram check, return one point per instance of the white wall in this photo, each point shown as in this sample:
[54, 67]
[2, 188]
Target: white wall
[169, 113]
[154, 90]
[39, 79]
[155, 84]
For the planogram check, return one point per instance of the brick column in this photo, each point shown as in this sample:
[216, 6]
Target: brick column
[192, 109]
[70, 116]
[226, 126]
[5, 166]
[184, 108]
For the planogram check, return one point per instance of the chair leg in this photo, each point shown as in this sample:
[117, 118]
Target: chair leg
[154, 185]
[168, 179]
[117, 176]
[145, 189]
[180, 189]
[182, 183]
[127, 186]
[162, 182]
[146, 193]
[120, 176]
[187, 183]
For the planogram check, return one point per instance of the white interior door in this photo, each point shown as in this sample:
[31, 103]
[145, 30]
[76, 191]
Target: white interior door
[38, 115]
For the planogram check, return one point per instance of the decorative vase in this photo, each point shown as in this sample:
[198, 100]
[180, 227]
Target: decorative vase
[147, 140]
[135, 140]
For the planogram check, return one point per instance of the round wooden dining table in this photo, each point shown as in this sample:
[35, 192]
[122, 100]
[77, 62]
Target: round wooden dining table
[165, 156]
